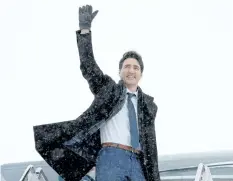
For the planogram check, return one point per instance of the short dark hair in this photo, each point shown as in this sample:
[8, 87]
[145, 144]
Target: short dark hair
[131, 54]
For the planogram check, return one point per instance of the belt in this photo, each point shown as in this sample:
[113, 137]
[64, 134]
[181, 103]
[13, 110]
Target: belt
[124, 147]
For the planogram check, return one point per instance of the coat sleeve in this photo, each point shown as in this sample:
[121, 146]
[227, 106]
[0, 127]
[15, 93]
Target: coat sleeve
[152, 152]
[89, 68]
[153, 168]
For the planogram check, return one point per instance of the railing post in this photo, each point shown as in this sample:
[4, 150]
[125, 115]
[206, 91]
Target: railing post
[203, 173]
[30, 174]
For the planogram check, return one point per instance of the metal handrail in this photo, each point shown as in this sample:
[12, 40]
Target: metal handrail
[193, 177]
[40, 173]
[210, 165]
[30, 174]
[29, 169]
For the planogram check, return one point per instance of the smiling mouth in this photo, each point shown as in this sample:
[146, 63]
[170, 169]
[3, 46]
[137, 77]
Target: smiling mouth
[130, 77]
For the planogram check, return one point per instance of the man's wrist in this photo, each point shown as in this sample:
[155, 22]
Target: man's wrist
[85, 31]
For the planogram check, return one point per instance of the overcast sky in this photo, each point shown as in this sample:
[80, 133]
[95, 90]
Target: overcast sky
[187, 49]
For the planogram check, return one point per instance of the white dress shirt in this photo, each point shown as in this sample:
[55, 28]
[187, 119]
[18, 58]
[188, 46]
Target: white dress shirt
[117, 129]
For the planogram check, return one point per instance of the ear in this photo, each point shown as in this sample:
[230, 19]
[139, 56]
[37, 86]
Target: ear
[120, 74]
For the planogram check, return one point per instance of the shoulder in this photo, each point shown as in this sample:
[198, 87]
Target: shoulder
[149, 99]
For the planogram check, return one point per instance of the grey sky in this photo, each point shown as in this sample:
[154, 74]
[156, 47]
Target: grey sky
[186, 47]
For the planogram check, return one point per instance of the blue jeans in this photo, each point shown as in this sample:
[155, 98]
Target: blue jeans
[115, 164]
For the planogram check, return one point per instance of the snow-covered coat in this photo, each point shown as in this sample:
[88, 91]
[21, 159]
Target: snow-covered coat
[71, 147]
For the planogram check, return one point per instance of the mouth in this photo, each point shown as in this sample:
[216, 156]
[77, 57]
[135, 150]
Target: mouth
[131, 77]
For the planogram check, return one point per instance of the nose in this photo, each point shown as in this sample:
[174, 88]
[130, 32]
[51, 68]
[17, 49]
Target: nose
[131, 70]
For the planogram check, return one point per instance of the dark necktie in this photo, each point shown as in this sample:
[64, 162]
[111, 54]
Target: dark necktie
[133, 123]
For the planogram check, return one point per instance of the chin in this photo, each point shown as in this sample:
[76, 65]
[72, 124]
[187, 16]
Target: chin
[131, 83]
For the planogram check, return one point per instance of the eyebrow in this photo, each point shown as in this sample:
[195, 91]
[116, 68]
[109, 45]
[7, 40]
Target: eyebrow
[131, 64]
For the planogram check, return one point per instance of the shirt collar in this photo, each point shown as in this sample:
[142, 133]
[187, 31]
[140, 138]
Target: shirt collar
[136, 93]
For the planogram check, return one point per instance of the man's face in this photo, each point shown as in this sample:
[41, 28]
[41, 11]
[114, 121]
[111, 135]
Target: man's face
[130, 72]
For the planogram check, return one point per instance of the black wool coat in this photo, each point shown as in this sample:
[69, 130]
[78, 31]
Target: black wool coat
[71, 147]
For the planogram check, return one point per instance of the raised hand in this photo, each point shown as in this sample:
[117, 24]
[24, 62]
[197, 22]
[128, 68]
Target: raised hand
[86, 16]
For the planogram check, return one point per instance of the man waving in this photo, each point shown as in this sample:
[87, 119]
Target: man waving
[116, 134]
